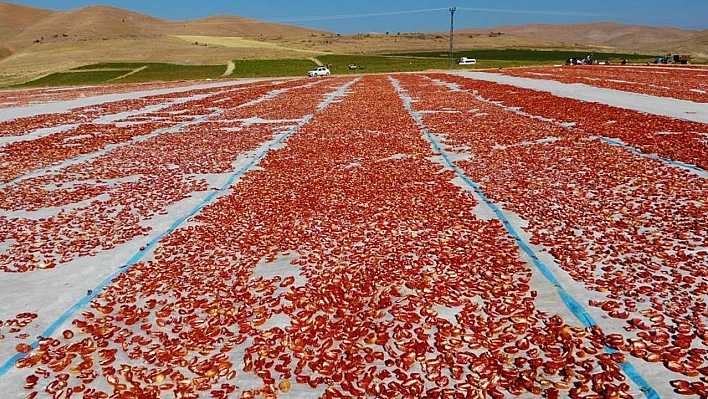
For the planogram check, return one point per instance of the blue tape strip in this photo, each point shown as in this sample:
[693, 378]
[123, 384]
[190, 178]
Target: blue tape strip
[569, 301]
[652, 156]
[573, 305]
[634, 375]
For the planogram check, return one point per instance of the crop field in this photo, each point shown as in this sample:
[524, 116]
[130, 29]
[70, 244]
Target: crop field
[533, 56]
[113, 73]
[126, 73]
[407, 235]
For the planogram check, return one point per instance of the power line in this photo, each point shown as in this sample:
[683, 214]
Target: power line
[537, 12]
[352, 16]
[429, 10]
[452, 19]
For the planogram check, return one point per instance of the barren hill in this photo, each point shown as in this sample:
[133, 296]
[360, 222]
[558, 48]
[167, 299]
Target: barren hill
[33, 26]
[14, 19]
[609, 34]
[697, 45]
[85, 24]
[230, 25]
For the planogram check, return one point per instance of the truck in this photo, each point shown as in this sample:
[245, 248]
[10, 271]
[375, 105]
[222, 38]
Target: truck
[682, 58]
[676, 59]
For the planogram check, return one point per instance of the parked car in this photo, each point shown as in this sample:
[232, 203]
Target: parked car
[319, 71]
[466, 61]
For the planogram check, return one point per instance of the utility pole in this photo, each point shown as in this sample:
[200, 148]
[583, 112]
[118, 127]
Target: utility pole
[452, 15]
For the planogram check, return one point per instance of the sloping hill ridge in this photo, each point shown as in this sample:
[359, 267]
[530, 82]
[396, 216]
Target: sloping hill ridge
[230, 25]
[14, 19]
[697, 45]
[22, 27]
[639, 38]
[85, 23]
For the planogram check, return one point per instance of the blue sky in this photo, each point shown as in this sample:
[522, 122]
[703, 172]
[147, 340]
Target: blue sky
[352, 16]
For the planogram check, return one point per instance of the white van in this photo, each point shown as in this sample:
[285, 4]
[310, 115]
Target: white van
[466, 61]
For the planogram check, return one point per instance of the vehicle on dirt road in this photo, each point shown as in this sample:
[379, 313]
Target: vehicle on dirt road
[319, 71]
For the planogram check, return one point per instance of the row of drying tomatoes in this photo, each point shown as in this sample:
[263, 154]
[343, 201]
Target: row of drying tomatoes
[681, 83]
[630, 229]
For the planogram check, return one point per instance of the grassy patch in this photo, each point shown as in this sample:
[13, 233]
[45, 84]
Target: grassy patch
[73, 79]
[271, 68]
[409, 62]
[381, 63]
[128, 66]
[172, 72]
[106, 73]
[531, 57]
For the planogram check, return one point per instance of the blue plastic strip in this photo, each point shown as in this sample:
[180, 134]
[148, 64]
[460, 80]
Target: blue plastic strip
[569, 301]
[573, 305]
[652, 156]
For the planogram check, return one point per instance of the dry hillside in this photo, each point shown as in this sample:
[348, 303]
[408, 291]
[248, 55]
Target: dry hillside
[696, 45]
[14, 19]
[229, 25]
[34, 26]
[637, 38]
[608, 34]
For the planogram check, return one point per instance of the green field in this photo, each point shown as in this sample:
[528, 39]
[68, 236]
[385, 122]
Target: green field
[412, 63]
[73, 79]
[407, 62]
[532, 57]
[128, 66]
[271, 68]
[109, 73]
[380, 63]
[172, 72]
